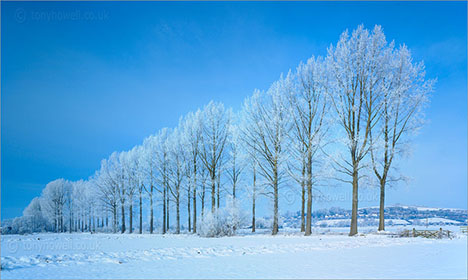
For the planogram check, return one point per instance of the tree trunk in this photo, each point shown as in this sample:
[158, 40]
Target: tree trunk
[234, 189]
[253, 199]
[275, 210]
[114, 222]
[131, 217]
[217, 190]
[303, 208]
[164, 212]
[308, 229]
[177, 215]
[353, 228]
[151, 210]
[253, 213]
[167, 212]
[275, 201]
[203, 202]
[213, 190]
[195, 208]
[71, 222]
[189, 212]
[303, 197]
[123, 218]
[61, 221]
[141, 214]
[382, 205]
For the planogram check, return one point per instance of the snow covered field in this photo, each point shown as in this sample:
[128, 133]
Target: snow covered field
[287, 255]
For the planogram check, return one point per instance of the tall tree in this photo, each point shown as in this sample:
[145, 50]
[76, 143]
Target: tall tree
[129, 166]
[203, 178]
[308, 106]
[107, 182]
[122, 185]
[192, 133]
[251, 162]
[162, 152]
[357, 67]
[269, 125]
[70, 204]
[405, 93]
[35, 216]
[215, 130]
[148, 163]
[236, 160]
[53, 202]
[138, 155]
[176, 168]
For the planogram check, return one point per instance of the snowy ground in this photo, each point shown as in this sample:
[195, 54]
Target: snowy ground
[287, 255]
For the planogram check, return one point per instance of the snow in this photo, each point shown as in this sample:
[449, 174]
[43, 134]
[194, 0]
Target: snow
[436, 221]
[338, 222]
[434, 209]
[288, 255]
[420, 208]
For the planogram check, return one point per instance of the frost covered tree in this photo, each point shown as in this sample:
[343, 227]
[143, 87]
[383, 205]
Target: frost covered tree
[176, 170]
[162, 152]
[129, 163]
[308, 105]
[107, 183]
[79, 200]
[404, 95]
[236, 160]
[148, 163]
[269, 126]
[138, 154]
[202, 187]
[215, 130]
[117, 160]
[70, 205]
[53, 202]
[91, 200]
[253, 190]
[250, 154]
[34, 216]
[357, 66]
[192, 133]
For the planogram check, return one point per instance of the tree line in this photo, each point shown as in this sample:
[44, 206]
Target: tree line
[352, 112]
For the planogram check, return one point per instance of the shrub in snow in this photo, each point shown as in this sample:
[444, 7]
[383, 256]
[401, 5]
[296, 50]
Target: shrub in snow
[224, 222]
[262, 223]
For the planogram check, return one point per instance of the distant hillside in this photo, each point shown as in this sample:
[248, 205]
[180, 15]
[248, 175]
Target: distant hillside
[394, 215]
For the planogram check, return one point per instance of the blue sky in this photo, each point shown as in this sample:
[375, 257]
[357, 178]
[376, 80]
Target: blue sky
[81, 80]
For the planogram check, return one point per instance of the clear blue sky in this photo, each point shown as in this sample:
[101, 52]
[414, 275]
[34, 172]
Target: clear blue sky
[80, 80]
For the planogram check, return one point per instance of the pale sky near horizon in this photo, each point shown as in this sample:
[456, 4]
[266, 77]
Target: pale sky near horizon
[80, 80]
